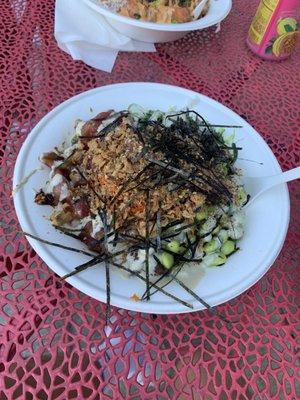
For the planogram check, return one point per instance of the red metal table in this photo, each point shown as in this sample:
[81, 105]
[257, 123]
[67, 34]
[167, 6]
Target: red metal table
[53, 343]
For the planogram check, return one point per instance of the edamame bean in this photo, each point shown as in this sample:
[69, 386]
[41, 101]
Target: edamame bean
[211, 246]
[228, 247]
[204, 213]
[220, 259]
[167, 260]
[175, 247]
[201, 215]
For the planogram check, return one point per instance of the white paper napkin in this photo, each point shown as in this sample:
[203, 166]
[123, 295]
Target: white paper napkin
[86, 35]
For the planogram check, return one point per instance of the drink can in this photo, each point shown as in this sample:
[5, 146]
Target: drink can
[275, 29]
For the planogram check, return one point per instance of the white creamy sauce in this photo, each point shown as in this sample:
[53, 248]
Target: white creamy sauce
[64, 192]
[81, 223]
[66, 147]
[97, 225]
[78, 127]
[54, 181]
[106, 123]
[25, 180]
[136, 262]
[69, 150]
[54, 166]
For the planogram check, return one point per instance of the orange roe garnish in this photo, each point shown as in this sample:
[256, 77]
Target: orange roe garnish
[135, 297]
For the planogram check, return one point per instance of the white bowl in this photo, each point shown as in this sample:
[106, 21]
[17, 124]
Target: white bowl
[157, 33]
[267, 218]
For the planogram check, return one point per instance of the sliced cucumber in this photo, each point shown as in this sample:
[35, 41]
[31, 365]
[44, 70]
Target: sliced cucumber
[220, 260]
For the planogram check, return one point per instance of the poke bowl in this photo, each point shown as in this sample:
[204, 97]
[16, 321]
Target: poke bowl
[228, 249]
[154, 32]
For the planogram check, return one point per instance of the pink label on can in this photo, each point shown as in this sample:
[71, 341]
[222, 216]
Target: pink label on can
[275, 29]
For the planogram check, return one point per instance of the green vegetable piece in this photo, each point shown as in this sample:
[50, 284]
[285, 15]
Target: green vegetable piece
[223, 168]
[225, 220]
[74, 140]
[223, 235]
[216, 230]
[211, 246]
[241, 197]
[220, 131]
[208, 226]
[228, 247]
[230, 139]
[167, 260]
[219, 260]
[204, 213]
[201, 215]
[175, 247]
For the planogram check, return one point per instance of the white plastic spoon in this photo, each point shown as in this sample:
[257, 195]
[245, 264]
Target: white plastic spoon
[258, 185]
[198, 9]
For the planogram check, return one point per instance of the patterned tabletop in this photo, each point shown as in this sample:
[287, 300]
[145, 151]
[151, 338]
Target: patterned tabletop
[53, 340]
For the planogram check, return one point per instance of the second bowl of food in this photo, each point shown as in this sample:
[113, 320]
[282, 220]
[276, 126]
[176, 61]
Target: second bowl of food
[159, 20]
